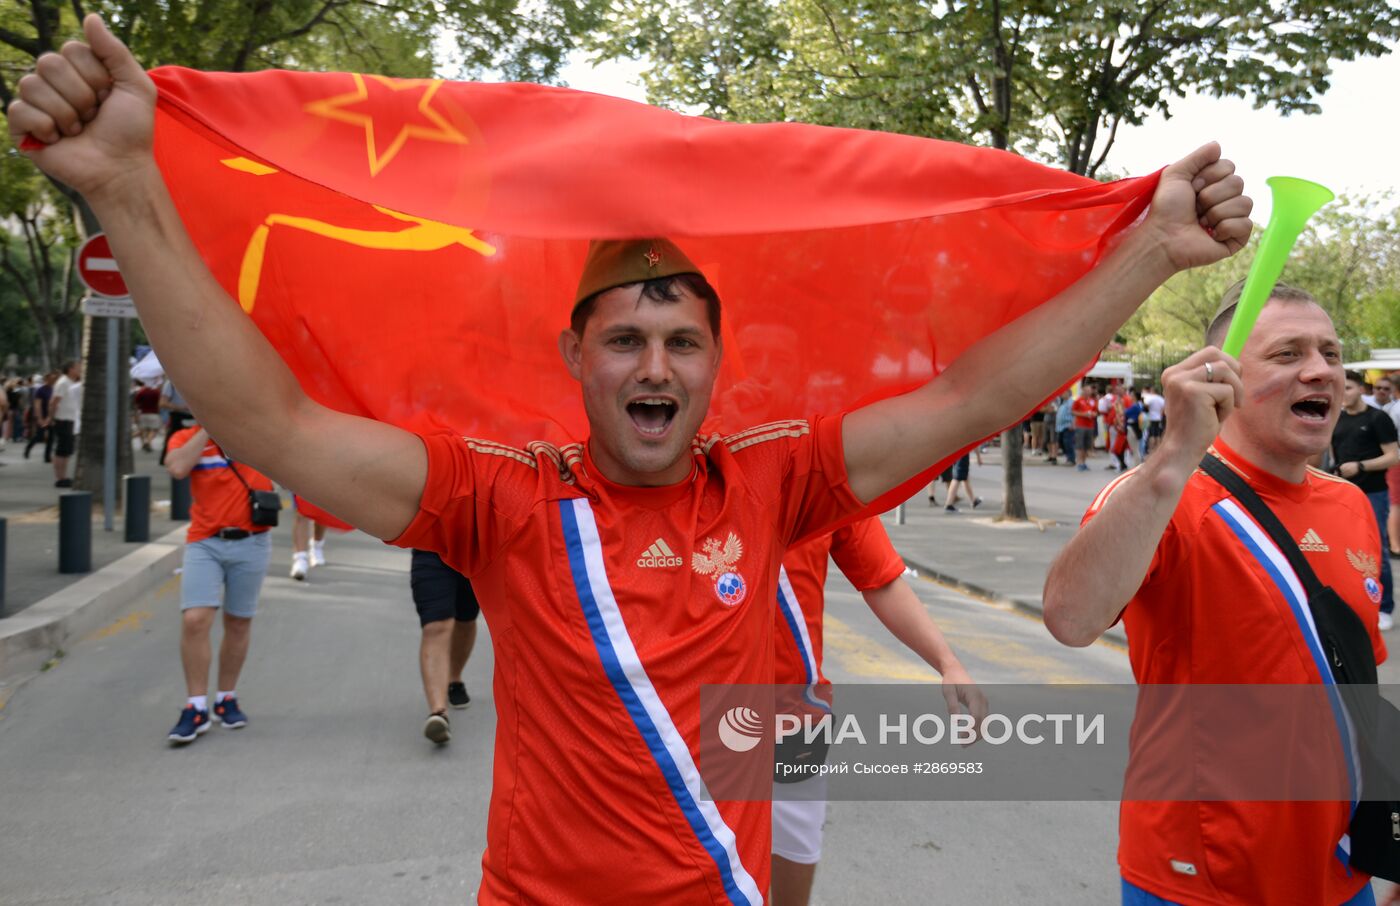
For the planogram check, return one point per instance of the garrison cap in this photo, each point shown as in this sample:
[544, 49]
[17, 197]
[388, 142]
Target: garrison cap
[1231, 298]
[1281, 291]
[617, 262]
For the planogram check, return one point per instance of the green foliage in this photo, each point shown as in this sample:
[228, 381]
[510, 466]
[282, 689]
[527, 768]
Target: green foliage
[38, 294]
[1349, 258]
[404, 38]
[1047, 76]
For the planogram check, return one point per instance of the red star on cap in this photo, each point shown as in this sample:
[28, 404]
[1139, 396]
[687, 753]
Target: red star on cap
[653, 257]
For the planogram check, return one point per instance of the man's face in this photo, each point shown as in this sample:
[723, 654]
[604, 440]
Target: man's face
[1385, 391]
[1293, 381]
[647, 370]
[1352, 394]
[75, 372]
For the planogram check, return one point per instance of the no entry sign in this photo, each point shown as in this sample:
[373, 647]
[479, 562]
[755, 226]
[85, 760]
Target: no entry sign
[98, 269]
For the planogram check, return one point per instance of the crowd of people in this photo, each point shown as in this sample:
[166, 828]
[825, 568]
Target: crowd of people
[1124, 422]
[46, 410]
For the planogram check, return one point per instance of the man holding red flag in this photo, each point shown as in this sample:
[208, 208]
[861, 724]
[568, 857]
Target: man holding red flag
[601, 645]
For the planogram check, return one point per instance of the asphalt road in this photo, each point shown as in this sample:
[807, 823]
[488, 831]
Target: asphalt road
[331, 795]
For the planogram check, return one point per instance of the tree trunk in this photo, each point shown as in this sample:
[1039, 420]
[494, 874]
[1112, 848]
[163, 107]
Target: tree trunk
[1013, 500]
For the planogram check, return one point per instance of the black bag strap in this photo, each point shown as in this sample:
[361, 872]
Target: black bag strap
[1247, 498]
[237, 474]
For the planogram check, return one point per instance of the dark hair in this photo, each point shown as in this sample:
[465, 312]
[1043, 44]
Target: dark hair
[1215, 333]
[661, 290]
[1356, 377]
[67, 366]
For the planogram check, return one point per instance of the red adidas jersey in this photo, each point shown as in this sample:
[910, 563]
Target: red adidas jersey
[863, 553]
[219, 499]
[609, 607]
[1211, 610]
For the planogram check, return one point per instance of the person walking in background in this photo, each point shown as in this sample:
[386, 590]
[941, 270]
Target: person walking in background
[447, 611]
[1154, 406]
[66, 407]
[41, 417]
[12, 428]
[1086, 413]
[1132, 423]
[177, 414]
[1107, 402]
[1064, 427]
[146, 402]
[959, 479]
[308, 542]
[1386, 387]
[1364, 448]
[225, 561]
[1046, 418]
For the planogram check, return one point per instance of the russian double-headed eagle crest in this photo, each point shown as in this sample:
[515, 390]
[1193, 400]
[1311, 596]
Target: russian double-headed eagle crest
[718, 560]
[1364, 563]
[1370, 571]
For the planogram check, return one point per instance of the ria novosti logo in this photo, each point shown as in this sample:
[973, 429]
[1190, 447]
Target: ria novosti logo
[740, 729]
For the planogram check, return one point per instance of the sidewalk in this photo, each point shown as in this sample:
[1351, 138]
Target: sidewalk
[1000, 561]
[29, 504]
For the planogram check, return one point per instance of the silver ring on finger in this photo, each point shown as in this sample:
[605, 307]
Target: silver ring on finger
[1210, 373]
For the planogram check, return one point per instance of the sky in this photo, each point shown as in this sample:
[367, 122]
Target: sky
[1350, 147]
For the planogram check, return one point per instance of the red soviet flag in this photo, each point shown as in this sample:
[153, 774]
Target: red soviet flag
[411, 247]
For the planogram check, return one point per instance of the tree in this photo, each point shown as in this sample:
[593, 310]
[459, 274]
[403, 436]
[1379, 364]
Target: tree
[1348, 257]
[519, 39]
[1048, 78]
[37, 249]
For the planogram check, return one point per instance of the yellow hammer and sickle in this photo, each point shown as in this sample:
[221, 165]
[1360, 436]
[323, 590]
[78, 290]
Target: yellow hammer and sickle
[423, 236]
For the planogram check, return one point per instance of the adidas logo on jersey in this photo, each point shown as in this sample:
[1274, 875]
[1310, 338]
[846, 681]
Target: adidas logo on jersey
[660, 554]
[1312, 541]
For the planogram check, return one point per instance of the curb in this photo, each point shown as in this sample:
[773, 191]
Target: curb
[32, 636]
[1114, 633]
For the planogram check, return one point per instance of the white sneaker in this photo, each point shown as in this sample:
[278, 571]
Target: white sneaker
[318, 553]
[1387, 622]
[299, 566]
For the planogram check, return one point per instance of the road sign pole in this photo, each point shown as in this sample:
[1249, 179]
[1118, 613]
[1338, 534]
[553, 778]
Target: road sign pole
[97, 269]
[109, 446]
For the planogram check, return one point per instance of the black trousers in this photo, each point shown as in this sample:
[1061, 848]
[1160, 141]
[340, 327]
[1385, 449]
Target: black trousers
[44, 436]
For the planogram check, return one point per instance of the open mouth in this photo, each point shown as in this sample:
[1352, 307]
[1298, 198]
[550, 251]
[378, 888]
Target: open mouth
[652, 415]
[1313, 409]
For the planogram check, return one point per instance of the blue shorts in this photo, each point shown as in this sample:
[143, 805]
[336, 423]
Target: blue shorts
[1136, 896]
[233, 571]
[958, 471]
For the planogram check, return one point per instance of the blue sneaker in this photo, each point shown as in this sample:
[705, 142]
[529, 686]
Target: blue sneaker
[228, 712]
[192, 723]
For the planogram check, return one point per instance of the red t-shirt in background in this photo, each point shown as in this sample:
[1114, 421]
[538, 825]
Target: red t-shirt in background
[220, 499]
[864, 554]
[147, 400]
[1085, 413]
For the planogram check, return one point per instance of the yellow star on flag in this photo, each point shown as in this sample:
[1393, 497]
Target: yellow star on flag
[379, 113]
